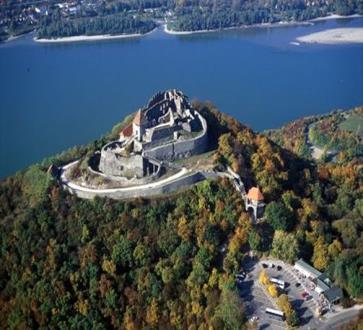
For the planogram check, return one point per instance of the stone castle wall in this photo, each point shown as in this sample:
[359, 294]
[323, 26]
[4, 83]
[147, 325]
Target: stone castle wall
[134, 192]
[116, 165]
[183, 148]
[132, 181]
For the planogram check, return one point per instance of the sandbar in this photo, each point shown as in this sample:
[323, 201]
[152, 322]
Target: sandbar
[88, 38]
[334, 36]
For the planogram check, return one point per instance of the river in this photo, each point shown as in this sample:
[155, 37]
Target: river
[54, 96]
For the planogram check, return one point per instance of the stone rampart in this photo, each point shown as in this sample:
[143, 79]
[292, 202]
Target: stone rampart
[132, 181]
[182, 148]
[116, 165]
[134, 192]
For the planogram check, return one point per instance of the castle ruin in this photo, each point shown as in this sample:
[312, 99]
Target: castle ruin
[168, 128]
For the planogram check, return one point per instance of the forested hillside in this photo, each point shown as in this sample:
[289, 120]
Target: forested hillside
[170, 262]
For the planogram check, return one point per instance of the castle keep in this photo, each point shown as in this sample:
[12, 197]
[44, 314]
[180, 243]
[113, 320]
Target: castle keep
[166, 129]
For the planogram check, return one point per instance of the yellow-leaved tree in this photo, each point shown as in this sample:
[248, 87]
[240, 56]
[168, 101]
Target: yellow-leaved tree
[320, 255]
[152, 313]
[272, 290]
[263, 277]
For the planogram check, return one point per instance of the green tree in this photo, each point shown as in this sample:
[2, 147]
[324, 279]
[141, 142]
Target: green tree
[285, 246]
[35, 184]
[279, 216]
[122, 252]
[255, 240]
[229, 311]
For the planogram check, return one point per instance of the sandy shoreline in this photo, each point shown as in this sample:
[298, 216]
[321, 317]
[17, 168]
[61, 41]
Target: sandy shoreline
[334, 36]
[88, 38]
[334, 16]
[172, 32]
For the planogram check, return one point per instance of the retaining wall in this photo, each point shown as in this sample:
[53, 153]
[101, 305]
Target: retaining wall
[187, 180]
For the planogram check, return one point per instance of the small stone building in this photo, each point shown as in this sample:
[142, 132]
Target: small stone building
[254, 202]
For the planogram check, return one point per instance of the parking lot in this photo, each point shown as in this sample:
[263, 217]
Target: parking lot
[257, 299]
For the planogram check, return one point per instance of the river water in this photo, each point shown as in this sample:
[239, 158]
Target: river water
[54, 96]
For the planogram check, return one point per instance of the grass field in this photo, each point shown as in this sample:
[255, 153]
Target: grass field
[353, 123]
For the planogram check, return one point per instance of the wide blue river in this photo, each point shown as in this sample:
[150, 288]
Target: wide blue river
[54, 96]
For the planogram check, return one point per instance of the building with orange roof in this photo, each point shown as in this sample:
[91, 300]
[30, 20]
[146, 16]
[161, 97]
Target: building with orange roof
[254, 203]
[255, 194]
[126, 132]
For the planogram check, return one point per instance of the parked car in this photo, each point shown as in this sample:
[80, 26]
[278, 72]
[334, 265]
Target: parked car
[264, 265]
[240, 276]
[297, 284]
[279, 268]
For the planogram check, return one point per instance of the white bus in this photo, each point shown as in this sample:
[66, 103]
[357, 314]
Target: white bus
[275, 312]
[280, 283]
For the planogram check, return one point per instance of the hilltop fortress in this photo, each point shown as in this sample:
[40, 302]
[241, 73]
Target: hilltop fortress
[152, 156]
[168, 128]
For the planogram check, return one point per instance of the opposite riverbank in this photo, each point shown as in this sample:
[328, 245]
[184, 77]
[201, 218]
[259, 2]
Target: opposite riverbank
[173, 32]
[263, 25]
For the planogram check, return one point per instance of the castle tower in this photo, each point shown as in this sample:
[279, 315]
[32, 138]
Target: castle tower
[254, 201]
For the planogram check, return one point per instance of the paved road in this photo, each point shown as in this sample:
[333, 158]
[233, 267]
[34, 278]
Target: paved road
[335, 322]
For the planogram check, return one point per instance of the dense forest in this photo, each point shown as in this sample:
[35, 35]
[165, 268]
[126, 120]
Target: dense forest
[170, 262]
[207, 15]
[52, 27]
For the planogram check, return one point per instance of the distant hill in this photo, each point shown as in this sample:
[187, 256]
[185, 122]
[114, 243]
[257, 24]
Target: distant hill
[170, 262]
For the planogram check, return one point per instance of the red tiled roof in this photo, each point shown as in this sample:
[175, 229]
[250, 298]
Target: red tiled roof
[255, 194]
[138, 118]
[127, 131]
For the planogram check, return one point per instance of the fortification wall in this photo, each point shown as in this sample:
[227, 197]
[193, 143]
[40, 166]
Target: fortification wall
[132, 181]
[126, 193]
[183, 148]
[116, 165]
[162, 152]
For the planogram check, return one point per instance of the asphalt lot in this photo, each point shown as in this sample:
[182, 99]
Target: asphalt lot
[257, 299]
